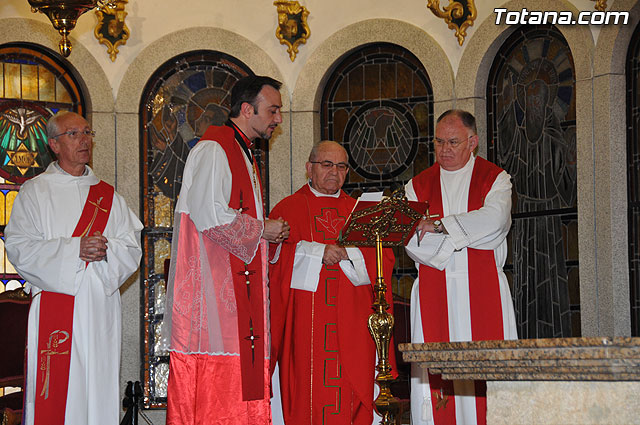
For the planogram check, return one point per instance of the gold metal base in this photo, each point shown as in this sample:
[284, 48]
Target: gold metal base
[381, 327]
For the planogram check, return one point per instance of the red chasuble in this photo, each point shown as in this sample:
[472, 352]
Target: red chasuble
[55, 327]
[484, 290]
[325, 352]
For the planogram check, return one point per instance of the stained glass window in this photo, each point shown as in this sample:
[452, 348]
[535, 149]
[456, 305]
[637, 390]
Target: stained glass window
[378, 103]
[182, 99]
[633, 176]
[34, 85]
[531, 119]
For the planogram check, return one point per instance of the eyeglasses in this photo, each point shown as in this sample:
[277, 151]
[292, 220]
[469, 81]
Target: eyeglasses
[454, 143]
[76, 134]
[327, 165]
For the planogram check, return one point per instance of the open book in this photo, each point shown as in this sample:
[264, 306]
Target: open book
[393, 218]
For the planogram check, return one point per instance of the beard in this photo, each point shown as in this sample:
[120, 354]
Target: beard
[266, 134]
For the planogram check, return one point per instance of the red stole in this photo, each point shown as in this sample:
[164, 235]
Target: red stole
[56, 321]
[484, 290]
[247, 278]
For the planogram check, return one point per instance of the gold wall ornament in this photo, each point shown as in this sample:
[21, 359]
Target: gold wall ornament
[459, 15]
[111, 29]
[601, 5]
[64, 14]
[292, 27]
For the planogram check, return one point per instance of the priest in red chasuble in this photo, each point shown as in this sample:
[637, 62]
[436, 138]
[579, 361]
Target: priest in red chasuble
[321, 297]
[461, 293]
[217, 318]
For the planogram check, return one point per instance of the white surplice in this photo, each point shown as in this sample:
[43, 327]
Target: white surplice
[204, 198]
[40, 246]
[485, 229]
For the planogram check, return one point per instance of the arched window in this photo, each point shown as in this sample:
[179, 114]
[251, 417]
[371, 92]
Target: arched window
[531, 119]
[633, 176]
[184, 96]
[378, 103]
[34, 84]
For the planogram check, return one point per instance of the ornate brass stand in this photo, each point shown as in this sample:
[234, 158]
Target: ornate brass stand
[388, 223]
[381, 326]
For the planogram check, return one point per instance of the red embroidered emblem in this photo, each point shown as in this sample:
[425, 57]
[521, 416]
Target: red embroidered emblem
[329, 223]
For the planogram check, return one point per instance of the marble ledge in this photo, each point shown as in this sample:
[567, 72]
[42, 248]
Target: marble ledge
[554, 359]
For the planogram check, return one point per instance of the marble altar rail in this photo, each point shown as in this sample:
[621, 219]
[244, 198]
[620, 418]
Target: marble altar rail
[554, 359]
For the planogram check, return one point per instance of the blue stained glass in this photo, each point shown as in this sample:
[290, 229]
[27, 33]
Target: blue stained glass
[196, 82]
[174, 122]
[25, 142]
[534, 134]
[21, 61]
[519, 114]
[545, 48]
[565, 93]
[565, 75]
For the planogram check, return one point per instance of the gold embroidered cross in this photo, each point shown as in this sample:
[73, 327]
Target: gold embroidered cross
[95, 214]
[441, 400]
[56, 338]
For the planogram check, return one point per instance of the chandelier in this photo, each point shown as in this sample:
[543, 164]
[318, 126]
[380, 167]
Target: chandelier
[64, 14]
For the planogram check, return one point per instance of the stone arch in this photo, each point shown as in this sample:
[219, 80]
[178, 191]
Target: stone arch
[91, 76]
[307, 93]
[96, 84]
[308, 89]
[171, 45]
[189, 39]
[471, 78]
[610, 125]
[478, 56]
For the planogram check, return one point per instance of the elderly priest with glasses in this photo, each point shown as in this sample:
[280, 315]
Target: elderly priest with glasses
[75, 242]
[321, 296]
[461, 293]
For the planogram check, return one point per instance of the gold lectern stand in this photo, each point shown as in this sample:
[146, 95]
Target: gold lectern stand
[387, 223]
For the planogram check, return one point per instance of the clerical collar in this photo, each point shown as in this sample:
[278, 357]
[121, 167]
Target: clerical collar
[85, 173]
[242, 139]
[469, 164]
[326, 195]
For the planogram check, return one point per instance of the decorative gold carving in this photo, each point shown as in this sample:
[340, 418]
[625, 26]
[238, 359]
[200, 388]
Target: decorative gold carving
[383, 224]
[377, 223]
[459, 15]
[111, 29]
[64, 14]
[17, 294]
[381, 327]
[601, 5]
[292, 25]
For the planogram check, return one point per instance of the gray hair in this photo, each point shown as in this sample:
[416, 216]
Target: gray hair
[53, 129]
[314, 150]
[467, 118]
